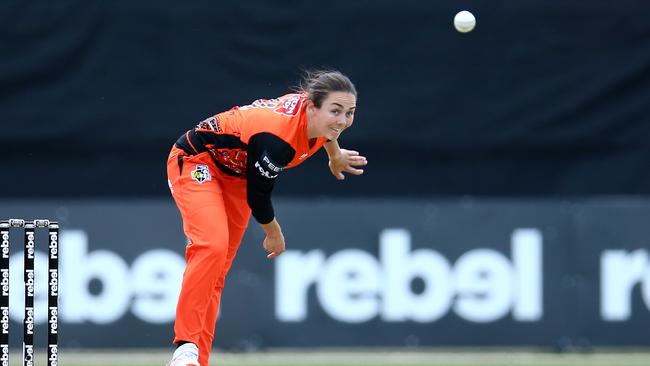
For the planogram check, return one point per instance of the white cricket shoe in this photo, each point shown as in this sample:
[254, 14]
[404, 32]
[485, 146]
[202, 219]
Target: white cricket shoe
[185, 355]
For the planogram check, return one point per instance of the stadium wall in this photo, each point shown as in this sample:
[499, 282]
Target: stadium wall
[541, 99]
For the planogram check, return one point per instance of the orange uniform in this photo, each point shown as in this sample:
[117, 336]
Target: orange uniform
[219, 172]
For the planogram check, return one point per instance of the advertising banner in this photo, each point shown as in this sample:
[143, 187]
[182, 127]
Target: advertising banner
[355, 273]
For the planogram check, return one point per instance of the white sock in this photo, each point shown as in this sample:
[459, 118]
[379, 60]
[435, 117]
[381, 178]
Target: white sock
[186, 348]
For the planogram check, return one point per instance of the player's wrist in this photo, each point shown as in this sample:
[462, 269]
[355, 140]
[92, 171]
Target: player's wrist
[275, 235]
[272, 229]
[333, 150]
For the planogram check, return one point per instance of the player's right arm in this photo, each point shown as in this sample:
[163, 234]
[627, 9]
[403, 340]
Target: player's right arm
[274, 240]
[267, 157]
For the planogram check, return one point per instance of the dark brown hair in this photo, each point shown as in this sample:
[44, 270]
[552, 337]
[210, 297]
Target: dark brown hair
[317, 84]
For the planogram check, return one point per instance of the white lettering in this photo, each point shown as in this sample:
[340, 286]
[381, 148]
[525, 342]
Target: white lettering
[353, 286]
[401, 267]
[54, 282]
[4, 357]
[291, 290]
[271, 166]
[620, 272]
[4, 282]
[156, 277]
[29, 320]
[4, 246]
[28, 356]
[4, 319]
[527, 264]
[54, 320]
[54, 245]
[263, 171]
[104, 288]
[29, 283]
[53, 360]
[103, 267]
[349, 286]
[483, 280]
[29, 246]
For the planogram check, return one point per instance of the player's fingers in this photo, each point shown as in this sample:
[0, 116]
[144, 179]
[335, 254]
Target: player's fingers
[352, 152]
[354, 171]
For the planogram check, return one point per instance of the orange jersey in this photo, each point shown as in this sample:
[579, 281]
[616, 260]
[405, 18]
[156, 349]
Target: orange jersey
[283, 117]
[256, 142]
[227, 134]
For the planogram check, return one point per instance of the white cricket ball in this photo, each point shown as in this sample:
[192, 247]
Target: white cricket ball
[464, 21]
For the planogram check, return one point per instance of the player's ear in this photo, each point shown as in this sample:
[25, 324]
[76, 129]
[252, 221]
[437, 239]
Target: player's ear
[309, 105]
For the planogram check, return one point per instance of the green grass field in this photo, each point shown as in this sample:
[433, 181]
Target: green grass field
[356, 358]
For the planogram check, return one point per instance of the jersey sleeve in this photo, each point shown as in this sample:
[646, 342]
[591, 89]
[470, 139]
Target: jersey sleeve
[268, 155]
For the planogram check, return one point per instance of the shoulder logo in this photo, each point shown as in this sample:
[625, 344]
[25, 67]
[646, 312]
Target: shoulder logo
[262, 103]
[303, 156]
[201, 173]
[267, 167]
[290, 106]
[211, 123]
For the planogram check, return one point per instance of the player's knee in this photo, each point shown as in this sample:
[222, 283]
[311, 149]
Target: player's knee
[217, 249]
[213, 250]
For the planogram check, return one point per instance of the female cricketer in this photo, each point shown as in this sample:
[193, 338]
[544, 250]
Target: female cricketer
[224, 169]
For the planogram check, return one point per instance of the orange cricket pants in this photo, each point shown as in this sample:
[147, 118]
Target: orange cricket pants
[215, 215]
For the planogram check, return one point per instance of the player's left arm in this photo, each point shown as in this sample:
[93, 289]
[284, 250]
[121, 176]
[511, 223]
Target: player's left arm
[342, 160]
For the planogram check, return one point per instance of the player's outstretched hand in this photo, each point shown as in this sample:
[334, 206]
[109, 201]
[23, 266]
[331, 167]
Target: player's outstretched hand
[347, 161]
[274, 245]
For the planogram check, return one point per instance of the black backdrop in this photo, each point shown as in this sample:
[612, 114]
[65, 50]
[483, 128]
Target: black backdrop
[542, 98]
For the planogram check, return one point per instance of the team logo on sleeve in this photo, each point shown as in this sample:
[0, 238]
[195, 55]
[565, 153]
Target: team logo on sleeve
[290, 106]
[262, 103]
[211, 123]
[267, 167]
[201, 173]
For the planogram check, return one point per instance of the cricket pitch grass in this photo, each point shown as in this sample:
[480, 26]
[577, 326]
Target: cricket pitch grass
[353, 358]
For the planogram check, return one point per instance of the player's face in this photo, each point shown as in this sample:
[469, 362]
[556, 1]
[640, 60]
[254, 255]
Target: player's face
[335, 115]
